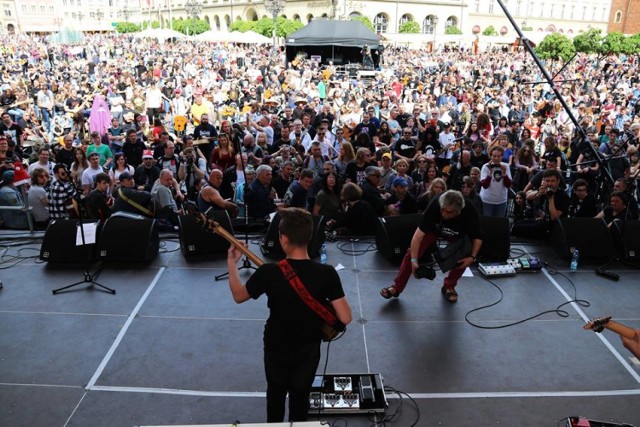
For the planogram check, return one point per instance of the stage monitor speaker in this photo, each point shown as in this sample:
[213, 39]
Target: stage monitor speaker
[128, 237]
[59, 242]
[394, 233]
[496, 244]
[626, 237]
[271, 244]
[589, 235]
[196, 239]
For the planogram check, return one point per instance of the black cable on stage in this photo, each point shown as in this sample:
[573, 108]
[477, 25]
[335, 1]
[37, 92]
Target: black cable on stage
[342, 246]
[558, 310]
[389, 418]
[519, 253]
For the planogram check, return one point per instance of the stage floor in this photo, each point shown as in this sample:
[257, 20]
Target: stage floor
[171, 347]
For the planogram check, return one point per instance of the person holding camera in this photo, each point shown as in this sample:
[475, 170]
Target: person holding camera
[189, 172]
[551, 203]
[448, 217]
[495, 181]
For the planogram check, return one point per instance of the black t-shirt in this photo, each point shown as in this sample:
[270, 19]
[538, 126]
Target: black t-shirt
[368, 128]
[66, 157]
[465, 224]
[405, 148]
[296, 196]
[280, 185]
[291, 323]
[356, 173]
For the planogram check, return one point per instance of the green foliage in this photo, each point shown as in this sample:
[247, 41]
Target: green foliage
[411, 27]
[588, 42]
[242, 26]
[489, 31]
[632, 44]
[127, 27]
[365, 20]
[613, 43]
[191, 27]
[154, 24]
[526, 28]
[287, 26]
[556, 46]
[264, 26]
[453, 30]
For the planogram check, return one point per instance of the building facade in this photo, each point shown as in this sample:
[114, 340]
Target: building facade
[434, 17]
[625, 16]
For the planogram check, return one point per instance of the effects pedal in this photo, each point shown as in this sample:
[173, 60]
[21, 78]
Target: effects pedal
[347, 394]
[497, 270]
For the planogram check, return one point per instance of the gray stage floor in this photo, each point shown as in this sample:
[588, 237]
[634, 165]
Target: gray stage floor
[171, 347]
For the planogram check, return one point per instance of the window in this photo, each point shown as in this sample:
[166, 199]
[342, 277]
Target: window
[51, 9]
[79, 3]
[562, 11]
[452, 21]
[551, 10]
[7, 12]
[428, 25]
[42, 9]
[33, 8]
[573, 10]
[71, 2]
[477, 6]
[73, 15]
[542, 9]
[92, 14]
[604, 14]
[518, 7]
[491, 5]
[64, 2]
[24, 7]
[618, 17]
[584, 13]
[66, 14]
[380, 23]
[405, 18]
[593, 16]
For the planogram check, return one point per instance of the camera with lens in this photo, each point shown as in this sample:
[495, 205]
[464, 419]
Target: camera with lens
[425, 271]
[549, 192]
[190, 159]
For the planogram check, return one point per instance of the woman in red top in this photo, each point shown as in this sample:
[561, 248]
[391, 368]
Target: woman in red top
[222, 156]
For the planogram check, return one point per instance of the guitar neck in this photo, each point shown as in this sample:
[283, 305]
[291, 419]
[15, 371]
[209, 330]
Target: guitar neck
[621, 329]
[236, 243]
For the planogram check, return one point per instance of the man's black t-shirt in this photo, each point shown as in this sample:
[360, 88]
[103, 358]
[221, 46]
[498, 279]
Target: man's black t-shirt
[465, 224]
[296, 196]
[291, 323]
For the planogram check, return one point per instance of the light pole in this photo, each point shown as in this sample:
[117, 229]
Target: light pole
[99, 15]
[193, 8]
[275, 7]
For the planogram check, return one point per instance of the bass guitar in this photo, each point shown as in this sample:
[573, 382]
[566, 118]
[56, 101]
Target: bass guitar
[329, 331]
[599, 324]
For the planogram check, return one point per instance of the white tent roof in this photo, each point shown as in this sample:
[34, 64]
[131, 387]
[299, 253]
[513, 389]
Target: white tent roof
[159, 33]
[234, 37]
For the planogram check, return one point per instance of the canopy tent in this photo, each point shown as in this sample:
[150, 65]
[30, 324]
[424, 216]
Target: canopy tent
[159, 33]
[66, 36]
[337, 41]
[234, 37]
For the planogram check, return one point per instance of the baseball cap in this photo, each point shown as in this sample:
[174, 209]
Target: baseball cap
[400, 181]
[125, 175]
[95, 153]
[386, 155]
[147, 154]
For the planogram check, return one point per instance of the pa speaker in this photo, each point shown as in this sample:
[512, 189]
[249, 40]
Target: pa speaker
[128, 237]
[626, 237]
[394, 233]
[496, 243]
[61, 242]
[589, 235]
[195, 239]
[271, 244]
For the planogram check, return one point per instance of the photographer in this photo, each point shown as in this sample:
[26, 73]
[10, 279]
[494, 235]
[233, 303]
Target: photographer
[495, 180]
[189, 173]
[551, 203]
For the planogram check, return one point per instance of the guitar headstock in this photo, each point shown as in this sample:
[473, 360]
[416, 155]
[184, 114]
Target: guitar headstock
[597, 324]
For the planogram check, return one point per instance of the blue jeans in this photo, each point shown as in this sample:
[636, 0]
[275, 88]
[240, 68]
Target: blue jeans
[495, 210]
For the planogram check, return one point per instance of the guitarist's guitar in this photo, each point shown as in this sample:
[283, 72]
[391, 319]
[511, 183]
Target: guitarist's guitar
[601, 323]
[329, 332]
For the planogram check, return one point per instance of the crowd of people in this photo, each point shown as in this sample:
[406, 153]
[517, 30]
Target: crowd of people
[149, 127]
[234, 127]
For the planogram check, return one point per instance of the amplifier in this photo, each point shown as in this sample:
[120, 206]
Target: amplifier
[347, 394]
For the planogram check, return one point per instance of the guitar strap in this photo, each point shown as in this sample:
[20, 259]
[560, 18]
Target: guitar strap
[304, 294]
[134, 203]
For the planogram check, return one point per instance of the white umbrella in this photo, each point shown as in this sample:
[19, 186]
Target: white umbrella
[234, 37]
[214, 36]
[159, 33]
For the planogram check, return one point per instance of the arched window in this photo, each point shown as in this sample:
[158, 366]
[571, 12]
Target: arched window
[227, 21]
[429, 25]
[324, 15]
[252, 15]
[354, 13]
[309, 18]
[206, 18]
[551, 29]
[216, 20]
[296, 17]
[405, 18]
[380, 23]
[452, 21]
[618, 17]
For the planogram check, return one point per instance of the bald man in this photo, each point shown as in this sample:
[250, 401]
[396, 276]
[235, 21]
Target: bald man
[209, 197]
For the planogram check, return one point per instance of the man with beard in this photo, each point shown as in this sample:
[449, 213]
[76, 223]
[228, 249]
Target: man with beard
[61, 193]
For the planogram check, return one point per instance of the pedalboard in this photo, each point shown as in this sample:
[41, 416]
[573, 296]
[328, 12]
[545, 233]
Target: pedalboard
[496, 270]
[347, 394]
[525, 264]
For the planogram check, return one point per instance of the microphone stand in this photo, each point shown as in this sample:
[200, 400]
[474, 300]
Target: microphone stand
[89, 278]
[246, 263]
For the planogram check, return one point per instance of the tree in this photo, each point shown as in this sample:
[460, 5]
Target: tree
[588, 42]
[411, 27]
[613, 43]
[242, 26]
[127, 27]
[632, 44]
[527, 28]
[287, 26]
[365, 20]
[556, 46]
[154, 24]
[452, 30]
[490, 31]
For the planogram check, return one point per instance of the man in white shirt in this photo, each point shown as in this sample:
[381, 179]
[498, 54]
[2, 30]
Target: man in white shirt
[447, 142]
[89, 174]
[43, 162]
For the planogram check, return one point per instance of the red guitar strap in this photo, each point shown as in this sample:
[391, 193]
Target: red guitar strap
[304, 295]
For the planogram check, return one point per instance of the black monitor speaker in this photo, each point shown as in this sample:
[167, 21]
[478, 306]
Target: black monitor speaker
[197, 239]
[626, 237]
[496, 242]
[394, 233]
[128, 237]
[589, 235]
[60, 242]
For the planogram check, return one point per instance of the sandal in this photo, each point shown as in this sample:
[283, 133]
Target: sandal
[389, 292]
[450, 294]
